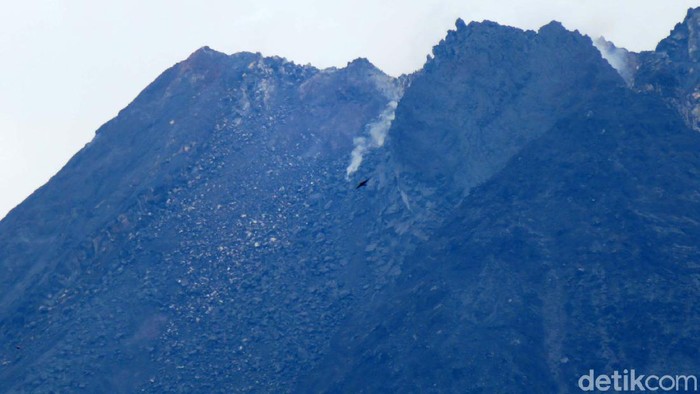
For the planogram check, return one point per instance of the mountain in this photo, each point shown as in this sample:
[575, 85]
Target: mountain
[671, 70]
[565, 232]
[202, 228]
[530, 213]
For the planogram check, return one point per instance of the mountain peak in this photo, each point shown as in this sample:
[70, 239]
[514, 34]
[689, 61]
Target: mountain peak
[553, 26]
[204, 52]
[471, 37]
[684, 41]
[486, 36]
[361, 63]
[512, 184]
[692, 13]
[203, 59]
[492, 79]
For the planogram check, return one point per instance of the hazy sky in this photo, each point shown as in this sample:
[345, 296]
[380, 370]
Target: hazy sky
[68, 66]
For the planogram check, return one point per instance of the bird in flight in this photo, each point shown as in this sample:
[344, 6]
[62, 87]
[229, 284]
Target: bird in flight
[361, 184]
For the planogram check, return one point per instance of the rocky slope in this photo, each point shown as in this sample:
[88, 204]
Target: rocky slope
[198, 232]
[671, 70]
[528, 216]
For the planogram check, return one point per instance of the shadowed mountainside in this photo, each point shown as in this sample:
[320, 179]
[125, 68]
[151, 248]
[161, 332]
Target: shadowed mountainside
[530, 217]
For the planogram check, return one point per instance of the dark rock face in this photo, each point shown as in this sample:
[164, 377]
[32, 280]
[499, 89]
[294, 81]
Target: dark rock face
[671, 70]
[529, 218]
[489, 91]
[571, 258]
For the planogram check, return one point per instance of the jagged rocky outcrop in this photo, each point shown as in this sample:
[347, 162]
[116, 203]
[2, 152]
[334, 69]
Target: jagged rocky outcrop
[579, 254]
[487, 92]
[529, 215]
[672, 69]
[575, 253]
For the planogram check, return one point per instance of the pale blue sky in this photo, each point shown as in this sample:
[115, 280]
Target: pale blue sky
[68, 66]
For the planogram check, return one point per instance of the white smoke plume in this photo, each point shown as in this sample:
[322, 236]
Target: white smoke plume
[375, 135]
[619, 58]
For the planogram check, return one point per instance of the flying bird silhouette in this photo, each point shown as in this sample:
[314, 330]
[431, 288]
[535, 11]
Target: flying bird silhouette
[361, 184]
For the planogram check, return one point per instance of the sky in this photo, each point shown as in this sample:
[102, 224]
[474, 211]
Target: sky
[67, 67]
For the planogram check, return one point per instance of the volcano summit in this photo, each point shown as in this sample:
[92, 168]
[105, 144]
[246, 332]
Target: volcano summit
[530, 215]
